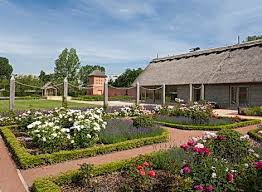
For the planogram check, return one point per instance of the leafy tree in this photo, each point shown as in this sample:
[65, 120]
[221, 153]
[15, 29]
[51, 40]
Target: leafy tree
[86, 70]
[67, 65]
[22, 90]
[45, 77]
[127, 78]
[6, 68]
[253, 38]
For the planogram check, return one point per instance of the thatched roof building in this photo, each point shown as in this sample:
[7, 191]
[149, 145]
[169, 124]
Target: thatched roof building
[232, 64]
[236, 64]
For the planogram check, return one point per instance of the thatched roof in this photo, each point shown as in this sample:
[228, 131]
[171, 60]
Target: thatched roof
[97, 73]
[241, 63]
[49, 85]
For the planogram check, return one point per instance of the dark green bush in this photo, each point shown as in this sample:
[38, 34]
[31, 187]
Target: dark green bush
[230, 146]
[143, 121]
[251, 111]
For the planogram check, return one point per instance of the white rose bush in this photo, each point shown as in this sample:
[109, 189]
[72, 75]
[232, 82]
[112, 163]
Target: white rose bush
[66, 129]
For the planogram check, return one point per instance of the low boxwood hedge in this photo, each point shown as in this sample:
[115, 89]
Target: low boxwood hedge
[253, 134]
[26, 160]
[211, 127]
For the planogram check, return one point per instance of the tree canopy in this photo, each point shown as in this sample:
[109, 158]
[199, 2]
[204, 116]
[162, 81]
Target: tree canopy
[86, 70]
[45, 77]
[6, 68]
[67, 65]
[126, 78]
[253, 38]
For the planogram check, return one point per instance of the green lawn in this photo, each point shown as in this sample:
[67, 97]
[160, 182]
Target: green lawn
[39, 104]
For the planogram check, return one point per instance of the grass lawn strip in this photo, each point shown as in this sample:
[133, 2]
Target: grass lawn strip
[211, 127]
[25, 160]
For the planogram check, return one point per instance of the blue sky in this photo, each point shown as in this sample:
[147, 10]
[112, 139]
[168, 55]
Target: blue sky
[119, 34]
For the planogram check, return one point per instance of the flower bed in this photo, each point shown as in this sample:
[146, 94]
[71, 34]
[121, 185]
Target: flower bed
[251, 111]
[62, 134]
[197, 166]
[256, 134]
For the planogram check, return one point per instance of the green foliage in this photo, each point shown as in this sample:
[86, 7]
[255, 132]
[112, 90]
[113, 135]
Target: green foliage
[67, 65]
[232, 147]
[26, 160]
[252, 111]
[44, 185]
[45, 77]
[127, 78]
[254, 134]
[86, 173]
[32, 80]
[143, 121]
[208, 127]
[253, 38]
[86, 70]
[6, 68]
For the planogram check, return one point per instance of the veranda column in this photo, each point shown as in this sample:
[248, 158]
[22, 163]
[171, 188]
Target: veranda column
[137, 93]
[12, 94]
[163, 94]
[65, 91]
[202, 92]
[190, 92]
[105, 95]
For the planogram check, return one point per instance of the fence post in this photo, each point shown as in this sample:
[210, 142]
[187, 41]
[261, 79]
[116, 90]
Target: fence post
[12, 94]
[137, 93]
[105, 95]
[163, 94]
[65, 92]
[190, 92]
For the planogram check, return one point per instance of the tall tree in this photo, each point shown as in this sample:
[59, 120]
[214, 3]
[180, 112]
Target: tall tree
[127, 78]
[253, 38]
[67, 65]
[6, 68]
[86, 70]
[45, 77]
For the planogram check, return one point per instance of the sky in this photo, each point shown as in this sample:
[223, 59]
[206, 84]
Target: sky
[119, 34]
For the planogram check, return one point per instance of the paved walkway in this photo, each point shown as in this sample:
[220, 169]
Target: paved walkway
[177, 137]
[9, 179]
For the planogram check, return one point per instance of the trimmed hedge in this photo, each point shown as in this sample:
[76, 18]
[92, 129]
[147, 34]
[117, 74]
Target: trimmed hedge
[253, 134]
[68, 177]
[209, 127]
[26, 160]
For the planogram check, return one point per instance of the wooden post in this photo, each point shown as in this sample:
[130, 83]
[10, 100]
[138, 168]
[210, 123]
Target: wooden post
[12, 94]
[137, 93]
[163, 94]
[202, 92]
[190, 92]
[65, 92]
[105, 95]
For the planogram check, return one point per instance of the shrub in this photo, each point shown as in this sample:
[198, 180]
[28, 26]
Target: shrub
[230, 146]
[256, 134]
[44, 185]
[252, 111]
[86, 173]
[143, 121]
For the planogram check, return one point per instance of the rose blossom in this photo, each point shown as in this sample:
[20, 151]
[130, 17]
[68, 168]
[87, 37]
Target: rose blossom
[199, 187]
[184, 146]
[142, 173]
[139, 167]
[209, 188]
[230, 177]
[146, 164]
[259, 165]
[190, 143]
[152, 173]
[220, 137]
[185, 169]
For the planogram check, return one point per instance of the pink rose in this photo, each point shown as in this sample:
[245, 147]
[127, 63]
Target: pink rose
[209, 188]
[230, 177]
[199, 187]
[186, 170]
[184, 146]
[259, 165]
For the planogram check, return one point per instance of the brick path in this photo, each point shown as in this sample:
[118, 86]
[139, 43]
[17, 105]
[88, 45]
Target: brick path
[9, 179]
[177, 137]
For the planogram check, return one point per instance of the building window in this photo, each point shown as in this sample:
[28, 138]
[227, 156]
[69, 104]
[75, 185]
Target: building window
[233, 95]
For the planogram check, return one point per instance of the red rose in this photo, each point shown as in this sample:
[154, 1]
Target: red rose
[209, 188]
[184, 146]
[186, 170]
[190, 143]
[259, 165]
[139, 167]
[146, 164]
[220, 137]
[205, 151]
[195, 149]
[230, 177]
[142, 172]
[152, 173]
